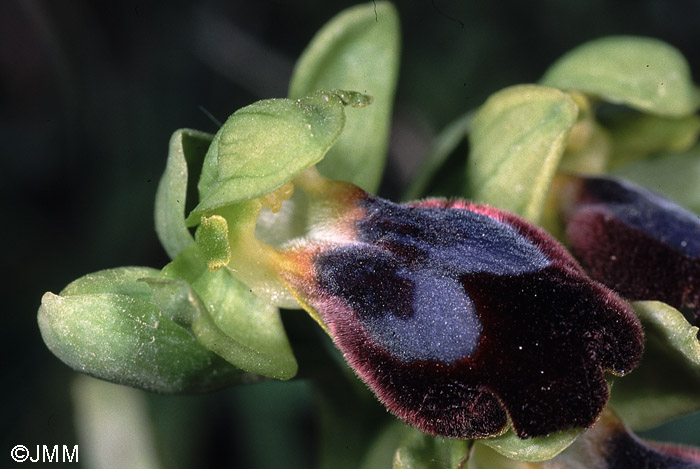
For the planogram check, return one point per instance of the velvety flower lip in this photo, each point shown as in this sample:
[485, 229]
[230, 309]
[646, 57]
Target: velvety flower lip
[662, 219]
[638, 243]
[462, 317]
[611, 445]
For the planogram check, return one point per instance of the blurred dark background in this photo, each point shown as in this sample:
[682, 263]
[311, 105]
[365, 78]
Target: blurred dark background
[90, 94]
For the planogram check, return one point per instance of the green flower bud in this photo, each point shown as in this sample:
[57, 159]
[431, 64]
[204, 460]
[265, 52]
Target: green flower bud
[105, 324]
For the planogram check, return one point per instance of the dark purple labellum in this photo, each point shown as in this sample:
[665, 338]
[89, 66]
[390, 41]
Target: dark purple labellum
[638, 243]
[611, 445]
[461, 317]
[623, 451]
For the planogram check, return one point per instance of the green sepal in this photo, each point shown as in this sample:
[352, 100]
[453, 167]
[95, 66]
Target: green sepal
[106, 324]
[224, 315]
[644, 73]
[517, 139]
[532, 449]
[421, 451]
[358, 49]
[176, 188]
[674, 175]
[264, 145]
[666, 384]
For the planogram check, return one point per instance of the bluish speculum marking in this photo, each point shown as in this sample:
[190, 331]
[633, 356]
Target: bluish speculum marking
[461, 241]
[656, 216]
[402, 277]
[367, 279]
[413, 314]
[444, 326]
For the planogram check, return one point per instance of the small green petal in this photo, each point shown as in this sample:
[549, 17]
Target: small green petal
[185, 156]
[212, 239]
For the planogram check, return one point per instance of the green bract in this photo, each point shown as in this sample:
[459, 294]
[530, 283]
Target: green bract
[643, 73]
[107, 325]
[356, 50]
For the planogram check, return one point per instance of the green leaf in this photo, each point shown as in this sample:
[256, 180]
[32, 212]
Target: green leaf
[636, 136]
[675, 176]
[106, 325]
[666, 384]
[517, 139]
[224, 315]
[265, 145]
[443, 146]
[532, 449]
[358, 49]
[421, 451]
[643, 73]
[186, 154]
